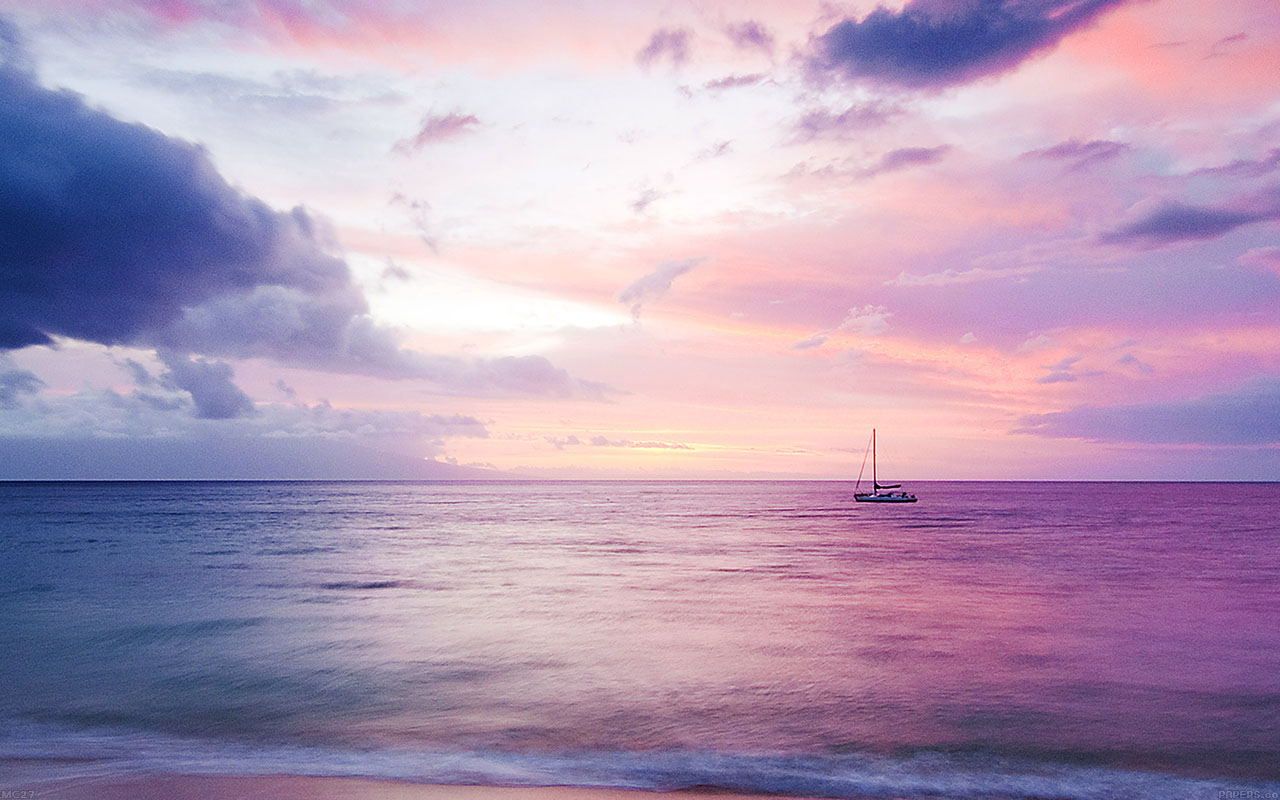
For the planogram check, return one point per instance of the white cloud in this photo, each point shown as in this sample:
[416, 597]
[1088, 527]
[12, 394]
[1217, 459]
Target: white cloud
[951, 277]
[655, 285]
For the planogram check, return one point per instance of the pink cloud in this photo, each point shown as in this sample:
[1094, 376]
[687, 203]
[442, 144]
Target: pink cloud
[437, 128]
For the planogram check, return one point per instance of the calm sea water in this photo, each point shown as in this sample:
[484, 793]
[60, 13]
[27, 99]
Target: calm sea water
[993, 640]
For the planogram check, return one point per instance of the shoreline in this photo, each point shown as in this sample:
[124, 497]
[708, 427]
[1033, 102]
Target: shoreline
[180, 786]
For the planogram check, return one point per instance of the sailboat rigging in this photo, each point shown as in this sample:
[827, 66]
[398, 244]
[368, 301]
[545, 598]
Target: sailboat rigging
[880, 492]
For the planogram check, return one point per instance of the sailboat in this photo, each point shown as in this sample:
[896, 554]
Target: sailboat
[880, 492]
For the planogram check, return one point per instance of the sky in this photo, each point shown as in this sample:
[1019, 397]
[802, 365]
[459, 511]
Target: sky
[1023, 239]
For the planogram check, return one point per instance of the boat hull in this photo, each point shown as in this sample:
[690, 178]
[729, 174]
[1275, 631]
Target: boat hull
[884, 498]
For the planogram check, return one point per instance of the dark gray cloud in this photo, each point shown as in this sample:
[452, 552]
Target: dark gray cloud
[209, 384]
[115, 233]
[666, 44]
[1163, 222]
[437, 128]
[1079, 153]
[751, 35]
[1248, 416]
[932, 44]
[109, 230]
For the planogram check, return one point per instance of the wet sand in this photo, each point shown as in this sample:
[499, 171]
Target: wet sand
[228, 787]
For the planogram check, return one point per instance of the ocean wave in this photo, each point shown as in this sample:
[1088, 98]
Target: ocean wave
[71, 753]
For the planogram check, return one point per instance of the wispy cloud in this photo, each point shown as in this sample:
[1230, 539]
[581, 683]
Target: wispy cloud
[751, 35]
[1225, 44]
[866, 321]
[1245, 167]
[952, 277]
[857, 118]
[655, 285]
[734, 81]
[437, 128]
[904, 158]
[1266, 259]
[672, 45]
[573, 440]
[1080, 154]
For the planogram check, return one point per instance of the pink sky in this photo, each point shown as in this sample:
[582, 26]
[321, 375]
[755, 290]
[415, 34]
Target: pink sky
[681, 240]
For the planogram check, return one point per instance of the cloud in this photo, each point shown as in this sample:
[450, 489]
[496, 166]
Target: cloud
[903, 158]
[1130, 360]
[655, 285]
[114, 233]
[571, 440]
[437, 128]
[291, 94]
[953, 277]
[892, 161]
[854, 119]
[1245, 167]
[866, 321]
[1247, 416]
[1061, 372]
[933, 44]
[1156, 222]
[96, 434]
[647, 197]
[140, 374]
[209, 384]
[716, 150]
[751, 35]
[734, 81]
[13, 52]
[15, 382]
[1080, 154]
[1265, 259]
[419, 212]
[94, 413]
[817, 340]
[1224, 44]
[670, 44]
[109, 230]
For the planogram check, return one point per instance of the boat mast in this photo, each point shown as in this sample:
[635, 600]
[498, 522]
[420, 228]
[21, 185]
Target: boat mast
[875, 485]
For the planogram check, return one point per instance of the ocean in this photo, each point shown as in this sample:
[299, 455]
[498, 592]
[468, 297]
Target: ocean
[994, 640]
